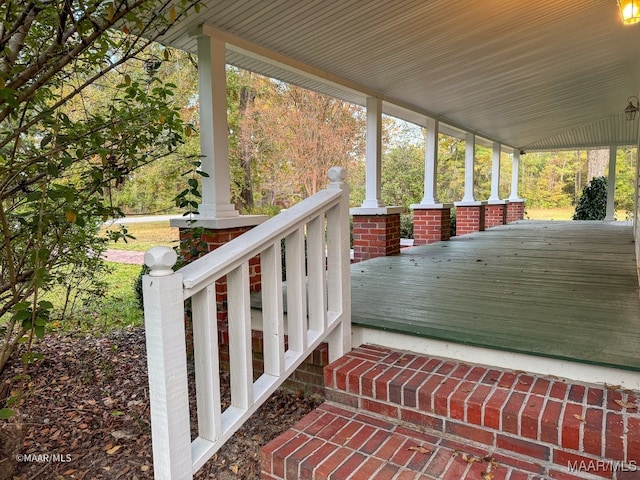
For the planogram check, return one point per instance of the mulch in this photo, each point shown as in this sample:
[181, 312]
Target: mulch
[85, 414]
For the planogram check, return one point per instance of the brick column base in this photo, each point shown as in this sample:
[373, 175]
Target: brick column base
[515, 210]
[495, 214]
[375, 236]
[431, 225]
[469, 219]
[210, 239]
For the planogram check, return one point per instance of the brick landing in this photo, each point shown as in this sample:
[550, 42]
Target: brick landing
[399, 415]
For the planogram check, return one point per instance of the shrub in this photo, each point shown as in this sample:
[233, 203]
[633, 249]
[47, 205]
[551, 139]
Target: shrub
[593, 202]
[406, 225]
[453, 223]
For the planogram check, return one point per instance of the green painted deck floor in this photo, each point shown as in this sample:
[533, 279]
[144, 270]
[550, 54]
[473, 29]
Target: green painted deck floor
[565, 290]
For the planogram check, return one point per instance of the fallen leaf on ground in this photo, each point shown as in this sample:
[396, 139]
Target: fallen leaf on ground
[578, 417]
[420, 449]
[113, 450]
[626, 404]
[611, 387]
[118, 434]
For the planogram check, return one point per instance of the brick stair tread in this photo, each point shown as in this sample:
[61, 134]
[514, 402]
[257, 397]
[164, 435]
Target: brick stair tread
[337, 443]
[546, 419]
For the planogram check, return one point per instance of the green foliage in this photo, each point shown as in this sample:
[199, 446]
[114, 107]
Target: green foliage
[406, 225]
[137, 287]
[450, 182]
[403, 175]
[593, 202]
[453, 222]
[117, 308]
[79, 114]
[625, 179]
[188, 199]
[550, 179]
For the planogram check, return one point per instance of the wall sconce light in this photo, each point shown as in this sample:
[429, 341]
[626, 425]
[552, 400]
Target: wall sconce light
[632, 108]
[630, 11]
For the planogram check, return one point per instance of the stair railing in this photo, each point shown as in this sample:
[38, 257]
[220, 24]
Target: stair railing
[318, 303]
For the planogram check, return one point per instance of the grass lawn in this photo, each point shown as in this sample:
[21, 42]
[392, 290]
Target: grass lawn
[116, 308]
[548, 213]
[146, 235]
[560, 213]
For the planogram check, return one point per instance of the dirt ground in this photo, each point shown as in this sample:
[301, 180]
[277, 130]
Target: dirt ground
[86, 415]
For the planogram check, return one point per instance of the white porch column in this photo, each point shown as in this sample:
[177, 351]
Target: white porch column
[469, 157]
[515, 174]
[214, 141]
[373, 180]
[431, 162]
[611, 184]
[495, 173]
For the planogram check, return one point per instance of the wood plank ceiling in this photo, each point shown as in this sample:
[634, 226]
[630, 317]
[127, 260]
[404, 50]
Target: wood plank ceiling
[531, 74]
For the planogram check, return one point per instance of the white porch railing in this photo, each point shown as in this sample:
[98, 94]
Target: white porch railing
[318, 309]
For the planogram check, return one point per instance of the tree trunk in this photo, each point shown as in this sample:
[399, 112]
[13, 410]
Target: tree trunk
[247, 97]
[597, 161]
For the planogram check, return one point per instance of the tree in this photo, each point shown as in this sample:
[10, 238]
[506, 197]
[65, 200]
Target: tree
[625, 180]
[60, 156]
[293, 130]
[593, 202]
[450, 185]
[403, 175]
[597, 161]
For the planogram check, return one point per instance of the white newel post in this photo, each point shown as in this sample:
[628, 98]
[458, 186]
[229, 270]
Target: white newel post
[167, 366]
[339, 268]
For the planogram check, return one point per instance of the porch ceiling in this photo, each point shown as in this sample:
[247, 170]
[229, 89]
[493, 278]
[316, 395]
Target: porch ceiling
[532, 74]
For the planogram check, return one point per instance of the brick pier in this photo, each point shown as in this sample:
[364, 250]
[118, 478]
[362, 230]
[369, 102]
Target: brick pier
[375, 234]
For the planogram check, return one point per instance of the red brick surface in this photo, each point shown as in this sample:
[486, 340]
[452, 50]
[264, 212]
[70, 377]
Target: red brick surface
[431, 225]
[515, 211]
[535, 427]
[208, 242]
[470, 219]
[375, 236]
[495, 215]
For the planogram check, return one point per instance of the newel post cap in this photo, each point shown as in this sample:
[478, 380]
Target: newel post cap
[336, 176]
[160, 261]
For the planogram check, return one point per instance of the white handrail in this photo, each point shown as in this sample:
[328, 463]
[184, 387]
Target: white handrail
[318, 310]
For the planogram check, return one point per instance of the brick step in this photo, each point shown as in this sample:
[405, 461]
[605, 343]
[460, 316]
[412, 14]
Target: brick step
[337, 443]
[384, 407]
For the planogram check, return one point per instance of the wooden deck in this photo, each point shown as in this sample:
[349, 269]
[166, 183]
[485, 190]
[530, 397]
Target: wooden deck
[564, 290]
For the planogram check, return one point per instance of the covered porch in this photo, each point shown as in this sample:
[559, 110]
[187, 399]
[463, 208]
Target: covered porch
[553, 299]
[519, 296]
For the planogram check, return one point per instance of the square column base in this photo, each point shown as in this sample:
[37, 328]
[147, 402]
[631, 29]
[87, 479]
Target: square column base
[375, 235]
[515, 210]
[495, 214]
[470, 218]
[431, 223]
